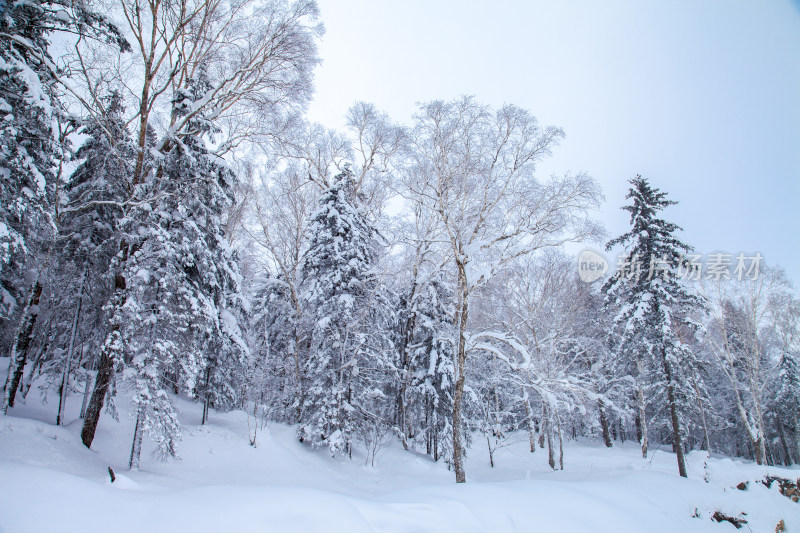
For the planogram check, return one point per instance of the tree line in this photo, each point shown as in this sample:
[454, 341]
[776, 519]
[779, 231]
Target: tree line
[171, 224]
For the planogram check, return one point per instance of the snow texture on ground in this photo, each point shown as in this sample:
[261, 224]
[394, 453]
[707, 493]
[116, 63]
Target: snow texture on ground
[50, 482]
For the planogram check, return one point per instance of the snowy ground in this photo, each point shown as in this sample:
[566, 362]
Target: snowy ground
[50, 482]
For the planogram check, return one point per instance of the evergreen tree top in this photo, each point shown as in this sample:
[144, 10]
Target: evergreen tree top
[650, 237]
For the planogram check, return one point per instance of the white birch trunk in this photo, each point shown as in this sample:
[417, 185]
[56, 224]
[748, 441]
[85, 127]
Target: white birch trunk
[62, 402]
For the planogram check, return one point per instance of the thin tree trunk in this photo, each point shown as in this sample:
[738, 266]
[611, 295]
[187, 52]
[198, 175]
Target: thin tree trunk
[760, 450]
[298, 373]
[642, 412]
[435, 436]
[204, 418]
[458, 396]
[702, 414]
[37, 363]
[404, 370]
[604, 424]
[673, 409]
[787, 454]
[638, 426]
[62, 401]
[529, 415]
[796, 424]
[19, 352]
[428, 429]
[543, 426]
[761, 442]
[86, 388]
[136, 447]
[560, 442]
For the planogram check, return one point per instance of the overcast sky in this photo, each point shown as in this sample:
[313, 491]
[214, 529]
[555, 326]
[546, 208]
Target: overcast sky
[702, 97]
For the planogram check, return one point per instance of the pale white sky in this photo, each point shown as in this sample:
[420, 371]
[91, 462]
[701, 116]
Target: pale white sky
[702, 97]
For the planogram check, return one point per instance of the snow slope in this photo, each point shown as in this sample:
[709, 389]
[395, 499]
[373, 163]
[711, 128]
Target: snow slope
[50, 482]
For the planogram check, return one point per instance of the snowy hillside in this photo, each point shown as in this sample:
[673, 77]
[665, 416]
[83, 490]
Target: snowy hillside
[50, 482]
[219, 313]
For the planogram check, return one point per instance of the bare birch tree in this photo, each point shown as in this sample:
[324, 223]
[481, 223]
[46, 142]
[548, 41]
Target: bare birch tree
[474, 168]
[740, 313]
[258, 57]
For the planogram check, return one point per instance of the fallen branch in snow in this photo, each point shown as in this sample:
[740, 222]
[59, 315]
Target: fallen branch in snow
[790, 489]
[737, 521]
[111, 473]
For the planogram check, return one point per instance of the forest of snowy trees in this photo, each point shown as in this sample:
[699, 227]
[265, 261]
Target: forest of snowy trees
[171, 224]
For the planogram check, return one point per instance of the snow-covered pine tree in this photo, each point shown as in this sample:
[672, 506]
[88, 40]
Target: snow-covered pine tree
[96, 191]
[28, 146]
[274, 371]
[347, 322]
[653, 307]
[91, 208]
[178, 326]
[27, 141]
[426, 316]
[786, 404]
[27, 179]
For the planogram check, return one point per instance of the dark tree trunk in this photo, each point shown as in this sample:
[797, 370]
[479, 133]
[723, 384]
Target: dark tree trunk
[436, 440]
[19, 352]
[560, 442]
[604, 424]
[428, 429]
[673, 410]
[787, 454]
[542, 428]
[638, 425]
[401, 407]
[101, 383]
[796, 425]
[105, 370]
[204, 418]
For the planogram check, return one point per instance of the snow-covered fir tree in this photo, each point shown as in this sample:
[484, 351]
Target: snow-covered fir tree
[29, 148]
[347, 321]
[653, 308]
[178, 325]
[27, 141]
[91, 208]
[27, 179]
[275, 373]
[426, 359]
[786, 399]
[95, 193]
